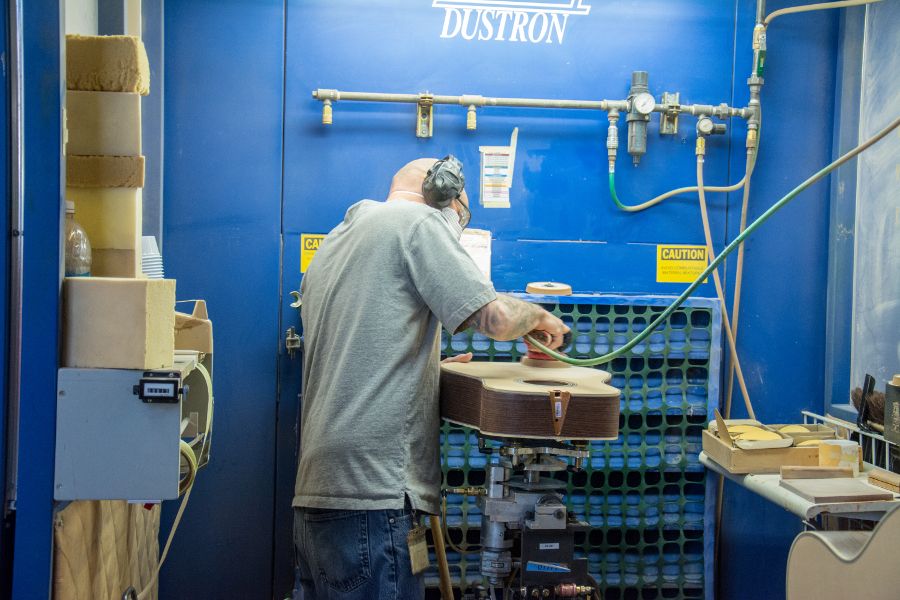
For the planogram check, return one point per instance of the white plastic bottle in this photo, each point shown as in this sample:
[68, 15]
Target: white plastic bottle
[78, 246]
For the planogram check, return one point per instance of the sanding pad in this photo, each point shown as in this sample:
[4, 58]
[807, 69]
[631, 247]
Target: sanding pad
[549, 288]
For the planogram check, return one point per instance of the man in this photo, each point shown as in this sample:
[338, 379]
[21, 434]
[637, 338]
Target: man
[380, 287]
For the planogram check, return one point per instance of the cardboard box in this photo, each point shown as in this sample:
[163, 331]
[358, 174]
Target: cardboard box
[194, 331]
[112, 323]
[765, 460]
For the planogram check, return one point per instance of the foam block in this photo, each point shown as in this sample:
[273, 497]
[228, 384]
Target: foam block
[119, 323]
[104, 171]
[107, 123]
[109, 262]
[107, 63]
[112, 217]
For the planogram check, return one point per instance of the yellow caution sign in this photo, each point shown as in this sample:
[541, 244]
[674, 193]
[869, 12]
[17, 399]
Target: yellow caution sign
[679, 263]
[309, 245]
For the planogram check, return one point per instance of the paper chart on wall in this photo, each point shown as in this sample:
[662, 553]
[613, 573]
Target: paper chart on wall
[497, 172]
[477, 243]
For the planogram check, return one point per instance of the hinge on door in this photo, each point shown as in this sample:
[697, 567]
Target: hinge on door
[291, 341]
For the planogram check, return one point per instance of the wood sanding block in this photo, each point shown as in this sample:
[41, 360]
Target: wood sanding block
[521, 401]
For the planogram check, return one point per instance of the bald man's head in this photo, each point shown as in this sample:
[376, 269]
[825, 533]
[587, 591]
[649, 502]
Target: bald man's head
[411, 176]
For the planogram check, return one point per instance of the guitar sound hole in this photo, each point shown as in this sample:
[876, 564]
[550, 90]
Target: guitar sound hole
[547, 382]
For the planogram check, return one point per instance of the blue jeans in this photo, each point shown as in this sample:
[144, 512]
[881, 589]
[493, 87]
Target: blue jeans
[355, 555]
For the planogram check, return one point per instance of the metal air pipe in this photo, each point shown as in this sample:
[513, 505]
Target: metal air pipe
[721, 111]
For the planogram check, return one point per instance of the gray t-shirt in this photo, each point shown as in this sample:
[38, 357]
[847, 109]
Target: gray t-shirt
[374, 299]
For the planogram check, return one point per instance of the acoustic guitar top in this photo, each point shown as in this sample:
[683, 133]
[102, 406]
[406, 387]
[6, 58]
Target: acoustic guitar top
[518, 400]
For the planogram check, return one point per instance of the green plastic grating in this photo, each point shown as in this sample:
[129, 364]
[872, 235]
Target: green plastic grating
[643, 494]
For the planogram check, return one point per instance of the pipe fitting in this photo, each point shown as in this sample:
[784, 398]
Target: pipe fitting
[700, 148]
[752, 139]
[326, 112]
[706, 126]
[472, 100]
[612, 139]
[471, 118]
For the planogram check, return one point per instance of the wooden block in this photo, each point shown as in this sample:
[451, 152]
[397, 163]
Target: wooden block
[119, 323]
[819, 491]
[885, 479]
[884, 485]
[111, 217]
[107, 63]
[104, 171]
[791, 472]
[103, 123]
[108, 262]
[765, 460]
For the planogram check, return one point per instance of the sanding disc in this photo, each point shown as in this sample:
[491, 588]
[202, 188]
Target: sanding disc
[549, 288]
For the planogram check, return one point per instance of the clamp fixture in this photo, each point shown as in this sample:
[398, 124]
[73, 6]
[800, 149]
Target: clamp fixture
[424, 115]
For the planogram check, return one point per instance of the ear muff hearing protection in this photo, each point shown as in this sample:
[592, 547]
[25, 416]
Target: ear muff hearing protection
[444, 182]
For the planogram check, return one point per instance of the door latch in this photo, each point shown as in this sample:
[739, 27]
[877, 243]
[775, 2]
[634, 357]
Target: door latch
[291, 341]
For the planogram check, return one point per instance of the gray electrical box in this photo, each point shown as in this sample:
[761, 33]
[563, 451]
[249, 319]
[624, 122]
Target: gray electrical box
[118, 433]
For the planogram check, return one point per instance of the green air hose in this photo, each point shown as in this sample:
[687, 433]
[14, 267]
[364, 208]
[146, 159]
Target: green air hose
[671, 193]
[590, 362]
[612, 192]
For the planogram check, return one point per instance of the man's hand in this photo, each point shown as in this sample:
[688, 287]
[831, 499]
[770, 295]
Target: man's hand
[508, 318]
[550, 331]
[463, 358]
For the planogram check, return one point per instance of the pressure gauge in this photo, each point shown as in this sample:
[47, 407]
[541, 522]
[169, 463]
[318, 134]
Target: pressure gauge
[644, 103]
[705, 125]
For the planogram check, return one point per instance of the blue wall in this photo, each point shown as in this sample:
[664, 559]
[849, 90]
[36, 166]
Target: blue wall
[249, 167]
[223, 106]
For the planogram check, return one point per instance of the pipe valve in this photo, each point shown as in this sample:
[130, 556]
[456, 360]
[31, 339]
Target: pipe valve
[706, 126]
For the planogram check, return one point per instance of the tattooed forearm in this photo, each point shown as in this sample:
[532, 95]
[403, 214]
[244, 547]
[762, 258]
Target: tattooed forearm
[505, 318]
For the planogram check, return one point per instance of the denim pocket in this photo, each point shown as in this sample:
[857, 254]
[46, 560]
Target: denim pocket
[340, 541]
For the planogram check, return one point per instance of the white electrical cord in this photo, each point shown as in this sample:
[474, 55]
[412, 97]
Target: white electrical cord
[791, 10]
[187, 484]
[729, 330]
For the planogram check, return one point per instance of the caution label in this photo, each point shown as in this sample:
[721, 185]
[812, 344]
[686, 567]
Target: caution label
[679, 263]
[309, 245]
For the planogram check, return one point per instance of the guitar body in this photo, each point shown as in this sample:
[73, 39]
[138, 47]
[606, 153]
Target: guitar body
[517, 400]
[837, 565]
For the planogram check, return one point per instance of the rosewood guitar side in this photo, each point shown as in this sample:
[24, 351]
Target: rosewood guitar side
[517, 401]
